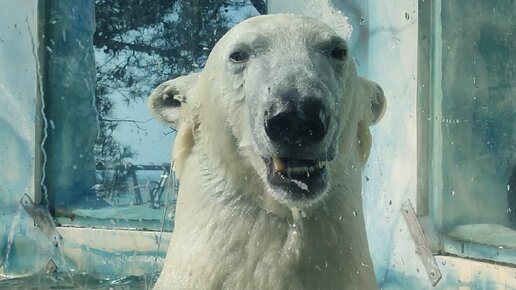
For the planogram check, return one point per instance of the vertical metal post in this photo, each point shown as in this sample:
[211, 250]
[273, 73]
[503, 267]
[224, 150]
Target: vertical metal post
[436, 93]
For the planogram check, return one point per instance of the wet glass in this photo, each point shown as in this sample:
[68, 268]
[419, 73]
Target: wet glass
[107, 159]
[478, 122]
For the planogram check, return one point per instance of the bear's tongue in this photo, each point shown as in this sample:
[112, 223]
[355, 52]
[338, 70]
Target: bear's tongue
[292, 167]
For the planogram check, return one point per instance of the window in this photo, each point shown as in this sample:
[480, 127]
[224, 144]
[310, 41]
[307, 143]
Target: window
[107, 160]
[470, 120]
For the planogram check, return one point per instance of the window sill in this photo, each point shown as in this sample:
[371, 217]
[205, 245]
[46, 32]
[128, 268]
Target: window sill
[110, 253]
[458, 273]
[104, 239]
[488, 242]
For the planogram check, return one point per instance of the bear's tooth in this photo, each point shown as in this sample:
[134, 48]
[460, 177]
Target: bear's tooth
[279, 165]
[301, 170]
[289, 172]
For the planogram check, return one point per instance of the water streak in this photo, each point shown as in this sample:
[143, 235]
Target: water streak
[172, 182]
[10, 239]
[42, 111]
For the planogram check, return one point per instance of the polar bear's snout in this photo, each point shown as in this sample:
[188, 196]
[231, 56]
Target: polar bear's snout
[296, 124]
[293, 122]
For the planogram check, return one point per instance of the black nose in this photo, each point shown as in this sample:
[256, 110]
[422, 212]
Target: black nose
[305, 125]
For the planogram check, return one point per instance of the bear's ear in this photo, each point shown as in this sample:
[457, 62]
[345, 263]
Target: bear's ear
[378, 104]
[375, 109]
[167, 99]
[373, 113]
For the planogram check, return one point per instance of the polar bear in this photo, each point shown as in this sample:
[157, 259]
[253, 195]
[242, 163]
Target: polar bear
[272, 137]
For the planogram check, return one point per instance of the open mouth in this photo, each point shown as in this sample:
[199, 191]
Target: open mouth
[299, 178]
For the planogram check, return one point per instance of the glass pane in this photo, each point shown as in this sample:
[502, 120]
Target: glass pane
[108, 160]
[479, 121]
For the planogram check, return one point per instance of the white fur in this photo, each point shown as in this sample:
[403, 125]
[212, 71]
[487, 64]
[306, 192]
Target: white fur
[232, 230]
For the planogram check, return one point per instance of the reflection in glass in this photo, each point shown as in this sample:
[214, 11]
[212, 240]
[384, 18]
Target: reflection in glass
[108, 161]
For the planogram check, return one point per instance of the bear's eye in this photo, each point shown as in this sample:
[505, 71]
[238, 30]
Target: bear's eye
[239, 56]
[339, 53]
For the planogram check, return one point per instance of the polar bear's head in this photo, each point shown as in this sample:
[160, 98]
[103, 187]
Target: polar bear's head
[279, 97]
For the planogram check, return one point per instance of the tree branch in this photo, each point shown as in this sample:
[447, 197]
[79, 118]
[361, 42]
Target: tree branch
[135, 122]
[116, 45]
[260, 5]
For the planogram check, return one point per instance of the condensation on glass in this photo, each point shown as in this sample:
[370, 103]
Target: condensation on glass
[478, 122]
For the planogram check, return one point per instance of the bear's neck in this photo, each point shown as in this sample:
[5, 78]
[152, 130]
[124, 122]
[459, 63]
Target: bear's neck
[228, 238]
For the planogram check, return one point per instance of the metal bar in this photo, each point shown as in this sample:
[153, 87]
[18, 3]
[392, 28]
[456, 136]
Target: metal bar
[422, 246]
[436, 95]
[101, 166]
